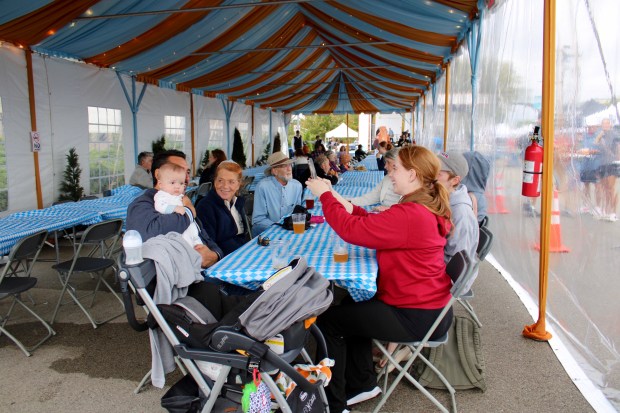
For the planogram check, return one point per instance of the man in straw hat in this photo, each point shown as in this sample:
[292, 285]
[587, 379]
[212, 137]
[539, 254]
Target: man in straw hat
[276, 195]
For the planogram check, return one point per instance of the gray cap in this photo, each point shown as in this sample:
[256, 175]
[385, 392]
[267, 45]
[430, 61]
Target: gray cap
[454, 162]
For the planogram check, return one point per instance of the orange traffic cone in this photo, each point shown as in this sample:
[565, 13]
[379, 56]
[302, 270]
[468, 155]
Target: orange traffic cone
[555, 231]
[496, 206]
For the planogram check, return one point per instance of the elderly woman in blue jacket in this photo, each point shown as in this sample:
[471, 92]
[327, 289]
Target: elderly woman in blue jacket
[222, 211]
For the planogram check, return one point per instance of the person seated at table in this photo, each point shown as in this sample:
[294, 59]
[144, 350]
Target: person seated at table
[359, 153]
[319, 149]
[216, 157]
[381, 151]
[476, 182]
[169, 198]
[324, 171]
[333, 161]
[412, 285]
[465, 233]
[141, 176]
[222, 211]
[345, 162]
[384, 192]
[276, 195]
[144, 218]
[300, 158]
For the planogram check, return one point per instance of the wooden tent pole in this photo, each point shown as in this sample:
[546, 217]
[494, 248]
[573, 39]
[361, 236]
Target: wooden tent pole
[537, 331]
[445, 116]
[33, 126]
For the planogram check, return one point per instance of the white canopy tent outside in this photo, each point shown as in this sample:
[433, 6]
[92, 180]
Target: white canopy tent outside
[342, 131]
[596, 118]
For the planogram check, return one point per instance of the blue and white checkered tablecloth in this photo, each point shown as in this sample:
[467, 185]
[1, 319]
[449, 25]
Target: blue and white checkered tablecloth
[346, 191]
[370, 162]
[250, 265]
[254, 170]
[368, 179]
[21, 224]
[257, 178]
[127, 190]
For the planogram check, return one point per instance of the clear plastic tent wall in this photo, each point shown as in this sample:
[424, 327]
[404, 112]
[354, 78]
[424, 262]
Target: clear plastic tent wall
[584, 281]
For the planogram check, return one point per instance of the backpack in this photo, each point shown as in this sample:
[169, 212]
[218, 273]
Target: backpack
[460, 360]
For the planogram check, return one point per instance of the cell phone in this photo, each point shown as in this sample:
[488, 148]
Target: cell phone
[312, 169]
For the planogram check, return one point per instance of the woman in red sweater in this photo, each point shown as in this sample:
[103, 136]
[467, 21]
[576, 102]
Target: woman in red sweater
[412, 284]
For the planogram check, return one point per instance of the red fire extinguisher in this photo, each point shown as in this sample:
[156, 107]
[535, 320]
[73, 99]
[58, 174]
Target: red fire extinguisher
[532, 167]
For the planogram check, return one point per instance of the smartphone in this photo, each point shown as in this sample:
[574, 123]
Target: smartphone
[312, 169]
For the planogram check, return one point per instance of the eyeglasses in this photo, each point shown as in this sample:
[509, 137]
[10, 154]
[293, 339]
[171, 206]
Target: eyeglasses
[263, 242]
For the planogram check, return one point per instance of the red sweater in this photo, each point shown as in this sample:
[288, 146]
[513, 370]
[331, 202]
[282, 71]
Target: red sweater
[409, 240]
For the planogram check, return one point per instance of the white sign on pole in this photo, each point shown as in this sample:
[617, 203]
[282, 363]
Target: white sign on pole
[36, 141]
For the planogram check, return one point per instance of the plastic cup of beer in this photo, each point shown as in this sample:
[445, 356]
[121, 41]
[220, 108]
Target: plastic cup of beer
[278, 249]
[341, 250]
[299, 223]
[309, 202]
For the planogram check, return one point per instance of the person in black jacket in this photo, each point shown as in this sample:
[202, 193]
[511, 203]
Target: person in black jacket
[222, 211]
[216, 157]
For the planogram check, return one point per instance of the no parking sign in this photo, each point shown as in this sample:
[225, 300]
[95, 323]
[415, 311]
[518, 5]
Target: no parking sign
[36, 141]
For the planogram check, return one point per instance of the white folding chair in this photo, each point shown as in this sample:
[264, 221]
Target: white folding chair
[23, 254]
[461, 270]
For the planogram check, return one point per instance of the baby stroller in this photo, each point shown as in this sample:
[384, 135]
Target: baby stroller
[236, 346]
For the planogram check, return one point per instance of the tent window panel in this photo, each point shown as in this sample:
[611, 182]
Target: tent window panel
[175, 132]
[216, 134]
[106, 153]
[4, 182]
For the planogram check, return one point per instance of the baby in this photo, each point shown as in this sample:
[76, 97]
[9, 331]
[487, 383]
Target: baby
[169, 198]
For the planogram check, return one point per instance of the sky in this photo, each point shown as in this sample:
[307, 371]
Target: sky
[578, 64]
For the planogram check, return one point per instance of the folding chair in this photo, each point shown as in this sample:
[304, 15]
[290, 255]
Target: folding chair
[98, 238]
[485, 241]
[23, 255]
[463, 274]
[200, 193]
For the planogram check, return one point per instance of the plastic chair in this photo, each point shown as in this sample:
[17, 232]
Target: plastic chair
[463, 274]
[23, 255]
[101, 238]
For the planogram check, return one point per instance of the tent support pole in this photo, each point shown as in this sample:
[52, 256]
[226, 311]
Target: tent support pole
[192, 133]
[134, 106]
[252, 136]
[537, 331]
[33, 127]
[445, 116]
[228, 109]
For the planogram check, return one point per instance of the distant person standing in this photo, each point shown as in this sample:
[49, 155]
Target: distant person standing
[141, 176]
[298, 141]
[608, 145]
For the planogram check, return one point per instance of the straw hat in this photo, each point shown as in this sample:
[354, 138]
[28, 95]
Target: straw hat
[277, 159]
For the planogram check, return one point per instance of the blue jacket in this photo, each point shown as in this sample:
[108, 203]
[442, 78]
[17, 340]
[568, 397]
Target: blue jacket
[144, 218]
[219, 222]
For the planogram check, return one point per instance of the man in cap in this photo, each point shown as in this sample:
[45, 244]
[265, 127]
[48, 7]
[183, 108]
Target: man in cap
[465, 233]
[276, 195]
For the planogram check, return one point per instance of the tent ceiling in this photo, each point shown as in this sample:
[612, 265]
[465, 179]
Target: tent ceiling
[308, 56]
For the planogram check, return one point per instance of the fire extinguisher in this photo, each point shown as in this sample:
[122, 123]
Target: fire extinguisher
[532, 167]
